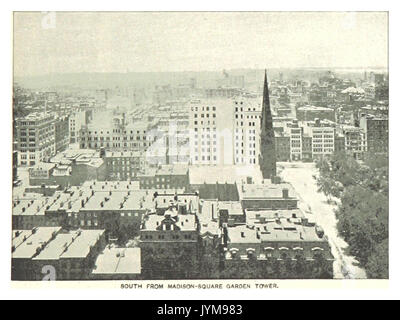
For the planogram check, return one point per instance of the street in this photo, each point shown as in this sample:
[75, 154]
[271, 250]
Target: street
[300, 175]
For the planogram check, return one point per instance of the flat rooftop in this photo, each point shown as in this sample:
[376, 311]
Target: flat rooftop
[118, 261]
[267, 190]
[233, 207]
[31, 242]
[80, 248]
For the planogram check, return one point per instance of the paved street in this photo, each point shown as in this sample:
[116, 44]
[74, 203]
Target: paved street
[300, 175]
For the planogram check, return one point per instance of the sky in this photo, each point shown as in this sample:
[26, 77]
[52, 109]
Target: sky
[74, 42]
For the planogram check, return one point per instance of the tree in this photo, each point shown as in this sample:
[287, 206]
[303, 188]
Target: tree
[363, 212]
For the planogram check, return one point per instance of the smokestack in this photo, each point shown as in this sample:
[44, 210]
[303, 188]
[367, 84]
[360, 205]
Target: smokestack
[285, 193]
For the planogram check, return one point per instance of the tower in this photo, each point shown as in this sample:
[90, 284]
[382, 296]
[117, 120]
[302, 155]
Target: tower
[267, 146]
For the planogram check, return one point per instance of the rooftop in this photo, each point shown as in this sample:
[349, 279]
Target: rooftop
[32, 240]
[185, 222]
[268, 190]
[82, 245]
[118, 261]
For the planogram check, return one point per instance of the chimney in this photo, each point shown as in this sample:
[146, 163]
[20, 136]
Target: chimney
[285, 193]
[242, 234]
[102, 204]
[82, 203]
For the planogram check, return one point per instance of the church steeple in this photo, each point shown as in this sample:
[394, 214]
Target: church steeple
[267, 146]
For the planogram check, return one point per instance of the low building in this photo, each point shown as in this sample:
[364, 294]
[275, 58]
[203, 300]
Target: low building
[310, 113]
[270, 195]
[165, 177]
[26, 244]
[170, 245]
[72, 254]
[123, 165]
[278, 243]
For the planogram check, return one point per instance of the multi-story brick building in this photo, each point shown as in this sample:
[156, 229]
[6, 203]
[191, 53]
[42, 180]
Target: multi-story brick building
[63, 256]
[165, 177]
[323, 137]
[26, 244]
[296, 140]
[282, 146]
[376, 133]
[170, 244]
[35, 136]
[117, 134]
[277, 244]
[123, 165]
[61, 132]
[310, 113]
[354, 140]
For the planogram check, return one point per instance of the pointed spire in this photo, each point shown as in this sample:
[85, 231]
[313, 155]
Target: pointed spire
[268, 154]
[266, 108]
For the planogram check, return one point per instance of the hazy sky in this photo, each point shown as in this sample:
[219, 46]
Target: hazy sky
[120, 42]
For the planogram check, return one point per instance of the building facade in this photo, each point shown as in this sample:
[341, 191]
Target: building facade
[35, 137]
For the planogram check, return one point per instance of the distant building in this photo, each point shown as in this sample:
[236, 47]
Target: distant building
[376, 133]
[246, 131]
[15, 165]
[310, 113]
[282, 146]
[165, 177]
[354, 141]
[271, 195]
[211, 127]
[69, 168]
[323, 137]
[61, 131]
[123, 165]
[77, 120]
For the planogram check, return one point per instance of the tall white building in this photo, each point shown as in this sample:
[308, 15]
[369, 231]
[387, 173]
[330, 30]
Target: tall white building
[296, 140]
[224, 131]
[76, 121]
[247, 131]
[323, 137]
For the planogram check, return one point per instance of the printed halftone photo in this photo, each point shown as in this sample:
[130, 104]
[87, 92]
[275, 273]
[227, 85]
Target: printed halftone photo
[200, 145]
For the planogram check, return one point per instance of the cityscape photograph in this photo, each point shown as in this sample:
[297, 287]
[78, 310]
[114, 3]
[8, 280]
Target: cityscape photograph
[200, 146]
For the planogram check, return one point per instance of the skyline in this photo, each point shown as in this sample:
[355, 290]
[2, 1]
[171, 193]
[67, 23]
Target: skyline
[82, 42]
